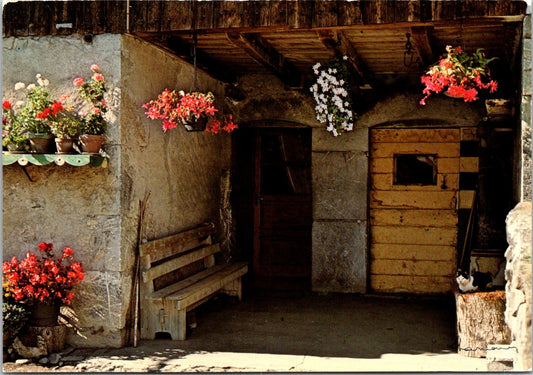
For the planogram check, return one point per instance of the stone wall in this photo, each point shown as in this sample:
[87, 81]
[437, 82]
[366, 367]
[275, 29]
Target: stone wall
[71, 206]
[524, 149]
[518, 286]
[94, 210]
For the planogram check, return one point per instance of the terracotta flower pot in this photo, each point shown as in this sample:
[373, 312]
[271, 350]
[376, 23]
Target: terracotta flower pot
[64, 145]
[43, 315]
[40, 143]
[90, 143]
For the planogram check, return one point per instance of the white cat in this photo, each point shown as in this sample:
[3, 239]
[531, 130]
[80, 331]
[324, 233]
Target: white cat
[477, 281]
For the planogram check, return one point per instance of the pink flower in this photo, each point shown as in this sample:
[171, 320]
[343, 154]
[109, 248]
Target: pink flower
[95, 68]
[78, 81]
[98, 77]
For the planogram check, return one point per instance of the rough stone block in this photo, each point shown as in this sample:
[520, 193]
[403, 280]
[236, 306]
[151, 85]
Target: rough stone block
[99, 300]
[339, 256]
[340, 185]
[518, 274]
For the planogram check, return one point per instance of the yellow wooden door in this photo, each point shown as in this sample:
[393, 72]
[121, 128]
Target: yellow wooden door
[413, 215]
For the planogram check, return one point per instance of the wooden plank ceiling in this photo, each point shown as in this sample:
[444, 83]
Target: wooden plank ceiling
[288, 37]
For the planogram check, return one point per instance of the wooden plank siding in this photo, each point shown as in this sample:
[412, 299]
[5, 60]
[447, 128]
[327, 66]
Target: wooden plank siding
[25, 18]
[413, 228]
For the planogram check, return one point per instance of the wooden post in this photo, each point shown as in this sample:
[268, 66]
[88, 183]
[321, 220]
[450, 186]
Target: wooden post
[480, 322]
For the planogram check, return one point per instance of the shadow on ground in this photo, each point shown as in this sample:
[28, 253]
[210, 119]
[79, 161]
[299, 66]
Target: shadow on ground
[324, 325]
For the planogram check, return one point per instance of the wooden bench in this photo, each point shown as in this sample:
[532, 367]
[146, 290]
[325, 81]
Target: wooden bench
[178, 273]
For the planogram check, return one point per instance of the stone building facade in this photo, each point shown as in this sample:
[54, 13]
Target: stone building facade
[96, 210]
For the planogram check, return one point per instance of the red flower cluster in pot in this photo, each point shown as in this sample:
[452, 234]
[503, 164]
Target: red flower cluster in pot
[459, 75]
[43, 279]
[177, 107]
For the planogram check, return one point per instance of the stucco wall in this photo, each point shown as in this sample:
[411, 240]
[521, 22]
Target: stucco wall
[182, 170]
[71, 206]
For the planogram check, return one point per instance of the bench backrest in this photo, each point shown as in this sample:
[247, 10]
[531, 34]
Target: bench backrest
[172, 258]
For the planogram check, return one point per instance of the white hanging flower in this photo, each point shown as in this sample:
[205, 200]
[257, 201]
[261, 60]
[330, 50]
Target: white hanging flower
[331, 96]
[20, 86]
[30, 87]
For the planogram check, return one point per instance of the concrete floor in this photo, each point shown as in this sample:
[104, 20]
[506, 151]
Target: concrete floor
[309, 333]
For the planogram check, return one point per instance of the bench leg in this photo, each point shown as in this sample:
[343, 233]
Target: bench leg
[234, 288]
[179, 331]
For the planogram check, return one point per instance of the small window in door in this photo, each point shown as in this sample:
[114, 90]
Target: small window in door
[418, 169]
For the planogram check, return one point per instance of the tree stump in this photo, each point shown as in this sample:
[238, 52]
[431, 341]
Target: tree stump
[36, 342]
[480, 322]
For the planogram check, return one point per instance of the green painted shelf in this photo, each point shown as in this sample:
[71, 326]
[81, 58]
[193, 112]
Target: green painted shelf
[76, 160]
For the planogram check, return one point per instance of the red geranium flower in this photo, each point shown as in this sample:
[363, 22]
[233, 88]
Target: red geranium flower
[46, 279]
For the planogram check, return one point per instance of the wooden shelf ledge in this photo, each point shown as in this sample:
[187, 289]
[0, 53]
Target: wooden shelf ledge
[76, 160]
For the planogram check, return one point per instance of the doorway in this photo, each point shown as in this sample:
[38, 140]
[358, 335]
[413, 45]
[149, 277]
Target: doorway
[413, 209]
[273, 200]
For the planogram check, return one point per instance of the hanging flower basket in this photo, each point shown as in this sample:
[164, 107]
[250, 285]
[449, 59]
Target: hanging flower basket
[196, 124]
[331, 93]
[194, 110]
[459, 75]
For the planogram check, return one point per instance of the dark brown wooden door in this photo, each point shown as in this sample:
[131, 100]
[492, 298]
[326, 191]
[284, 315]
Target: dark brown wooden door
[282, 209]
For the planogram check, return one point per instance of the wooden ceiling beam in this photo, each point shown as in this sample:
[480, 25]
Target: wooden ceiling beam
[265, 54]
[339, 45]
[420, 37]
[214, 68]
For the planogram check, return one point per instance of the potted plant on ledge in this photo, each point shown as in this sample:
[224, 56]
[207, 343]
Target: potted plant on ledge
[65, 125]
[14, 138]
[32, 116]
[195, 111]
[94, 125]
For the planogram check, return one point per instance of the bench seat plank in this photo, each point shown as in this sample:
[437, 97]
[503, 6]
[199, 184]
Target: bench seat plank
[180, 285]
[207, 286]
[171, 265]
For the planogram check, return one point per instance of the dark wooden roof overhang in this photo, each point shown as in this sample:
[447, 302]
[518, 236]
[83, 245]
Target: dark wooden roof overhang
[287, 37]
